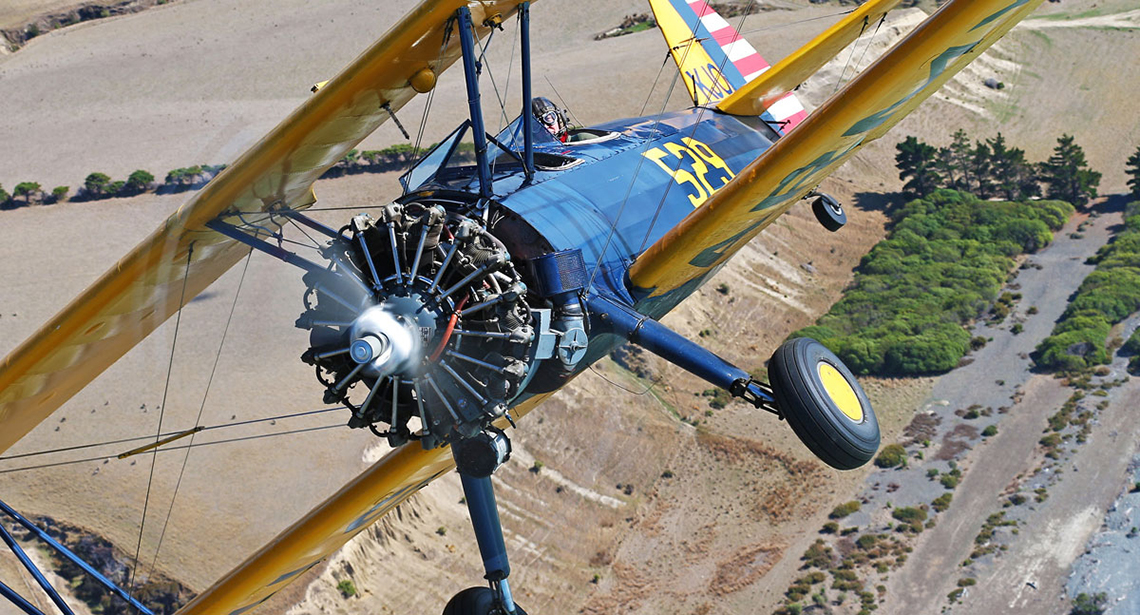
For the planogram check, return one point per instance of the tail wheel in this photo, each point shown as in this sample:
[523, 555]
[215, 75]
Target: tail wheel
[476, 601]
[823, 403]
[829, 212]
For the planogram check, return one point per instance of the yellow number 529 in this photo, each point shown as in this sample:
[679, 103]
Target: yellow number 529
[691, 167]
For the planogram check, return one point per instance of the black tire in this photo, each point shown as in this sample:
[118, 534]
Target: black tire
[475, 601]
[843, 440]
[829, 212]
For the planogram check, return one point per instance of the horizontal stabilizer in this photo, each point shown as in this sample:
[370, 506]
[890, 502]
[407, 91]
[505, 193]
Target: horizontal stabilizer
[766, 90]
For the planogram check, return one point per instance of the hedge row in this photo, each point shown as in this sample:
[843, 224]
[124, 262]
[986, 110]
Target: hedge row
[941, 267]
[100, 186]
[1107, 296]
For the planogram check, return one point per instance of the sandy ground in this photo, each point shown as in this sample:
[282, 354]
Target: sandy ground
[197, 82]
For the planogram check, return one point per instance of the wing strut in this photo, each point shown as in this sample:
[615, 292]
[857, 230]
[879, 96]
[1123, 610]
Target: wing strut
[63, 552]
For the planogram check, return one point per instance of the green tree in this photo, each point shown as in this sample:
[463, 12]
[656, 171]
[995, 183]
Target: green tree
[26, 190]
[1133, 171]
[4, 196]
[981, 169]
[1013, 176]
[916, 163]
[59, 193]
[1067, 174]
[96, 184]
[954, 162]
[139, 181]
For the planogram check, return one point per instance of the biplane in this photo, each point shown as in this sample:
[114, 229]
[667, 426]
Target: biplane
[442, 318]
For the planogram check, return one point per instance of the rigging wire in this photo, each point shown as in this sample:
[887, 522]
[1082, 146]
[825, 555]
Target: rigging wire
[869, 41]
[801, 21]
[268, 419]
[161, 415]
[202, 408]
[851, 55]
[577, 122]
[414, 156]
[182, 447]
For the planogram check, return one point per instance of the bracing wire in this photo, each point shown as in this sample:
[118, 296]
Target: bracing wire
[849, 57]
[182, 447]
[268, 419]
[202, 407]
[161, 415]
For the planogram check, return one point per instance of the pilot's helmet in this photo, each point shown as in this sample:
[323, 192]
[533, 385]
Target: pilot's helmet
[551, 117]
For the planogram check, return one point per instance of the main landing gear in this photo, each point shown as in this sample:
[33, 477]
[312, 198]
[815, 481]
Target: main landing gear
[829, 212]
[476, 459]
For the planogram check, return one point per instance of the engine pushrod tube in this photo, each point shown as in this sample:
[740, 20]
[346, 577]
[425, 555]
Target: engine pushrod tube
[463, 383]
[480, 272]
[474, 361]
[495, 335]
[73, 558]
[368, 259]
[442, 397]
[443, 267]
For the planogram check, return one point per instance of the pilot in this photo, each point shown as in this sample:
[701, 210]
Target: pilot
[551, 118]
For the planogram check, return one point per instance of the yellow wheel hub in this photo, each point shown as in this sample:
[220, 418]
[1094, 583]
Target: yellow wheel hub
[840, 391]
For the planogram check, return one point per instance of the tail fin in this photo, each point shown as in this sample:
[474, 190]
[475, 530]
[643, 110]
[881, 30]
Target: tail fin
[714, 59]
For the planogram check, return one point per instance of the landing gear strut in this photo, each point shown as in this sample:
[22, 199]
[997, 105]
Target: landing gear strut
[476, 459]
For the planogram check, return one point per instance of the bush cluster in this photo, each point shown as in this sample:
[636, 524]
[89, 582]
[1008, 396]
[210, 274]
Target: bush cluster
[1107, 296]
[942, 266]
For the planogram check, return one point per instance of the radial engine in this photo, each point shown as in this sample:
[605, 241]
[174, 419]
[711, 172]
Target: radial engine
[423, 316]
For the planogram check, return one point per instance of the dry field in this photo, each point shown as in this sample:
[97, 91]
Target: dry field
[198, 81]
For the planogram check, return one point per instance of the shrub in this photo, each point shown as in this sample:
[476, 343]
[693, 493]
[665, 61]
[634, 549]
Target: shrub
[59, 193]
[845, 509]
[1107, 296]
[942, 502]
[96, 184]
[892, 455]
[990, 430]
[139, 181]
[346, 588]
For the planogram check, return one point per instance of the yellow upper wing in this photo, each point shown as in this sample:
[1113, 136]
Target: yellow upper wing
[771, 85]
[863, 111]
[144, 288]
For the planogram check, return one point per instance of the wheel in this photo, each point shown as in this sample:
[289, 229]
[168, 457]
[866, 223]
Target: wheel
[475, 601]
[823, 403]
[829, 212]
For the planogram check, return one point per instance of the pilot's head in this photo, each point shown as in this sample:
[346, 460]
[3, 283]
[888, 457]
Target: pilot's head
[551, 118]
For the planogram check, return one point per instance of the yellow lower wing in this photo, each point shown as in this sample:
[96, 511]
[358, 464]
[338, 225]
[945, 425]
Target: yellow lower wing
[366, 499]
[863, 111]
[145, 287]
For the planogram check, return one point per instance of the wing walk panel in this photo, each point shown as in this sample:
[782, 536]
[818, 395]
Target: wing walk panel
[132, 299]
[863, 111]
